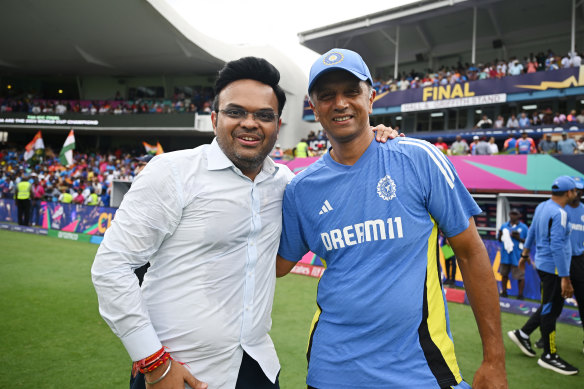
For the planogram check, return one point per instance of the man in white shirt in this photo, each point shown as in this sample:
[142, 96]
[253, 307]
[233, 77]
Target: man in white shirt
[208, 220]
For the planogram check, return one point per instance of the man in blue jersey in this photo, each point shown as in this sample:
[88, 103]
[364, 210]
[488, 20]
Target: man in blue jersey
[373, 212]
[575, 210]
[512, 236]
[525, 144]
[550, 232]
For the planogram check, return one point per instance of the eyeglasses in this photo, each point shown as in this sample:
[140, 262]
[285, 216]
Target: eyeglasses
[265, 116]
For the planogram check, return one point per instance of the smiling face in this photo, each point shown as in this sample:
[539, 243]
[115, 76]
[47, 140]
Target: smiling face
[246, 141]
[342, 104]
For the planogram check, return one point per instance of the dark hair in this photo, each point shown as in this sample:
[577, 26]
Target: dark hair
[250, 68]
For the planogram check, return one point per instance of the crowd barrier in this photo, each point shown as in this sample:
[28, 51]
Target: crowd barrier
[68, 221]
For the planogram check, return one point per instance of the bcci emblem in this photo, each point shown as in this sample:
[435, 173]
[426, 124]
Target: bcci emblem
[333, 58]
[582, 218]
[386, 188]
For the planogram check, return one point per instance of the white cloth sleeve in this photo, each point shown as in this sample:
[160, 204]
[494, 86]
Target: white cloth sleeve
[149, 213]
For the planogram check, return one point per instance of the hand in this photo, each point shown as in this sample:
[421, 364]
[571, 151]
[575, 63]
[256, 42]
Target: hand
[490, 375]
[515, 235]
[175, 379]
[384, 133]
[522, 261]
[567, 289]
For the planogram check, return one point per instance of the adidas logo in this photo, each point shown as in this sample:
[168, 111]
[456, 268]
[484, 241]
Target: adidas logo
[325, 208]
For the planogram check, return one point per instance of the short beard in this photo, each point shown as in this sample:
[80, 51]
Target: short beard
[245, 163]
[249, 164]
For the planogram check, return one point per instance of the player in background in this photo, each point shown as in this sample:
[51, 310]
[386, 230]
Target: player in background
[575, 210]
[549, 231]
[525, 145]
[512, 236]
[373, 212]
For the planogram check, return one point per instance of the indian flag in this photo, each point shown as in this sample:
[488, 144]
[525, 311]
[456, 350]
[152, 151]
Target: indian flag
[66, 155]
[35, 144]
[150, 149]
[159, 149]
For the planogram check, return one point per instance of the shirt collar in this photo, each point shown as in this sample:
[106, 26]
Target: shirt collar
[217, 160]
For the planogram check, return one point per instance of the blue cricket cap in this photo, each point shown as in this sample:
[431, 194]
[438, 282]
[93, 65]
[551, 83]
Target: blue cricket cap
[579, 182]
[339, 59]
[563, 184]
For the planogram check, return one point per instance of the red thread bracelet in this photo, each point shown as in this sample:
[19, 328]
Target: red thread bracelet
[151, 362]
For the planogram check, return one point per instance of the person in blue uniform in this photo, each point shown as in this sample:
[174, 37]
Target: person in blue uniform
[373, 212]
[512, 236]
[549, 232]
[575, 210]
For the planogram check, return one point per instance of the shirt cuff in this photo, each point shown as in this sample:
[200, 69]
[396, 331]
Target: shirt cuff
[142, 343]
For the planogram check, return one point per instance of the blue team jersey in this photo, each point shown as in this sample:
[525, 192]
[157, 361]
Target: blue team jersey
[576, 223]
[549, 230]
[523, 146]
[382, 319]
[512, 258]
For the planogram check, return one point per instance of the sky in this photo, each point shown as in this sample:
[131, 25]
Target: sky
[273, 22]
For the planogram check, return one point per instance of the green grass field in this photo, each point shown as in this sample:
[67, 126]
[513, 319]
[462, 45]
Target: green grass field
[53, 337]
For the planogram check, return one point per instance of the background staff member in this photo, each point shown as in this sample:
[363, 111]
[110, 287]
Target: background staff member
[550, 232]
[575, 210]
[512, 236]
[22, 196]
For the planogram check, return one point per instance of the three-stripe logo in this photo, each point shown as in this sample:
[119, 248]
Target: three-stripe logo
[325, 208]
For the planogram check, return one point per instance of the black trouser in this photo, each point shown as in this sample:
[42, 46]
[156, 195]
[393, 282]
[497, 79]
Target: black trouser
[23, 211]
[551, 306]
[577, 278]
[35, 212]
[251, 376]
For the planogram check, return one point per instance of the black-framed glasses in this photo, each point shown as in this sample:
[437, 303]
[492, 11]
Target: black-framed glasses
[265, 115]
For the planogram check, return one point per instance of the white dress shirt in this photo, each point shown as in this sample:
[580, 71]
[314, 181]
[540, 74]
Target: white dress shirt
[211, 236]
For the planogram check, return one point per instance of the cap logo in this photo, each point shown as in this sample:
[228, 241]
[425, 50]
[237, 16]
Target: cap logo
[333, 58]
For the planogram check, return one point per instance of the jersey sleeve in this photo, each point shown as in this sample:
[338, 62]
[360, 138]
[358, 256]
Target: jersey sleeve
[293, 246]
[447, 200]
[559, 241]
[523, 233]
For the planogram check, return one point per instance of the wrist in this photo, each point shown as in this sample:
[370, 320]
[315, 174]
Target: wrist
[153, 375]
[159, 374]
[151, 363]
[495, 357]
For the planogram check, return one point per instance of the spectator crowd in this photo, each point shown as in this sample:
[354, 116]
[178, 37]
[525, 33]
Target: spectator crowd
[199, 103]
[469, 72]
[88, 181]
[514, 144]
